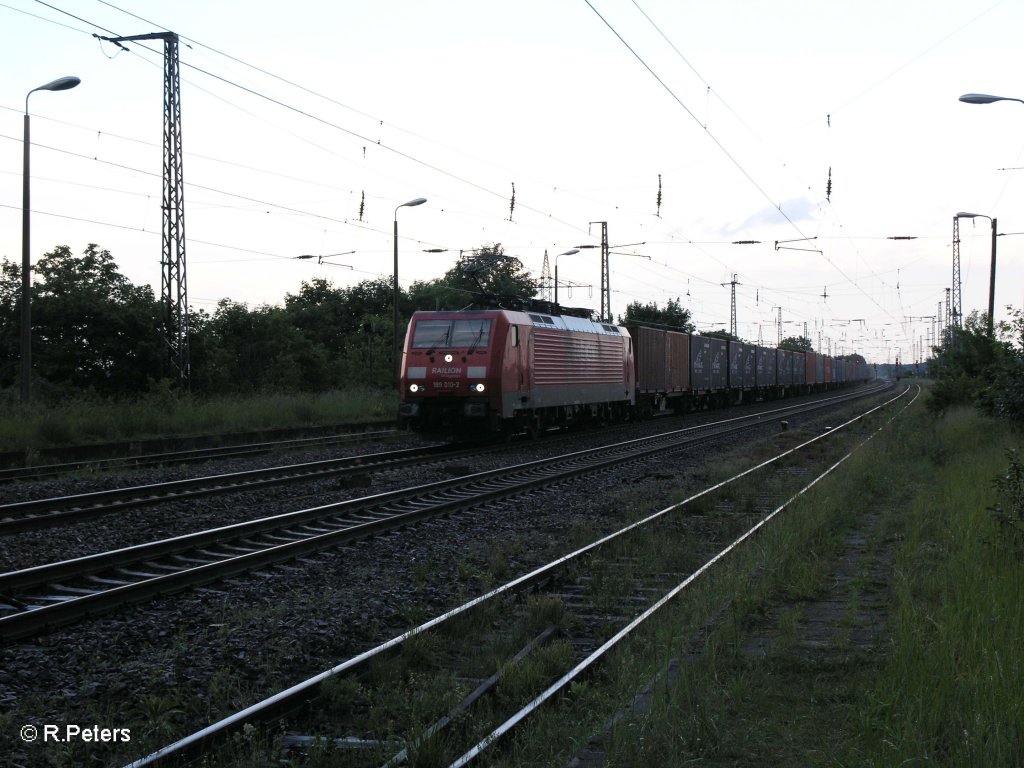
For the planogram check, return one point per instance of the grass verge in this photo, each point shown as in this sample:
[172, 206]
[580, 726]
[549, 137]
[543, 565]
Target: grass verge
[943, 682]
[168, 414]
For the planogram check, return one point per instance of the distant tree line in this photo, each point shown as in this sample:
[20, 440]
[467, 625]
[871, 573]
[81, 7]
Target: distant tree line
[93, 331]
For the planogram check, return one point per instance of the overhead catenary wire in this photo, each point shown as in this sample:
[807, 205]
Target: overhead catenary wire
[679, 257]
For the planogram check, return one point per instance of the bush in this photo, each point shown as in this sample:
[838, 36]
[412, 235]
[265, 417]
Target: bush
[1009, 511]
[981, 370]
[951, 392]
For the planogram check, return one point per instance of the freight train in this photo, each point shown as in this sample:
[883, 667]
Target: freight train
[495, 371]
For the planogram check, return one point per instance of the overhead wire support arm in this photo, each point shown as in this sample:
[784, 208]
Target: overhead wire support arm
[779, 247]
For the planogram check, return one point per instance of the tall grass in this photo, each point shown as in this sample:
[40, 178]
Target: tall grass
[952, 689]
[944, 687]
[166, 414]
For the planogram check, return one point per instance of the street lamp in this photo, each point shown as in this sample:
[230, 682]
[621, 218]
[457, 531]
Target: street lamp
[60, 84]
[984, 98]
[396, 352]
[570, 252]
[992, 268]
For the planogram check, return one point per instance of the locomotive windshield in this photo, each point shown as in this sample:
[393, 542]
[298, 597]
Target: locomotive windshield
[451, 334]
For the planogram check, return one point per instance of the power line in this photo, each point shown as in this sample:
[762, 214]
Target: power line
[732, 159]
[323, 121]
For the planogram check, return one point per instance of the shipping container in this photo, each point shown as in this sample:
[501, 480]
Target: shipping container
[677, 361]
[737, 373]
[649, 356]
[700, 363]
[662, 360]
[749, 366]
[719, 352]
[799, 368]
[766, 367]
[785, 367]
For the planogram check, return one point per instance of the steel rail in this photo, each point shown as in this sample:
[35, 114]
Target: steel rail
[33, 514]
[183, 456]
[638, 621]
[273, 707]
[197, 562]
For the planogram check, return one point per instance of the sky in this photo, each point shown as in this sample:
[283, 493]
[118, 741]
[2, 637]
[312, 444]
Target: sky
[685, 126]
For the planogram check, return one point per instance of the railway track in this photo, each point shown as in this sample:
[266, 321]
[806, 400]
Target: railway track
[600, 627]
[128, 458]
[35, 514]
[36, 599]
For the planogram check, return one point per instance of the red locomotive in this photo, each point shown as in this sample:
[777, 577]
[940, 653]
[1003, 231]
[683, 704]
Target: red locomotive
[501, 370]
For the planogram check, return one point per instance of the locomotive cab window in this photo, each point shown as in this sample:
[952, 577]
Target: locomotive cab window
[431, 333]
[451, 334]
[471, 333]
[514, 333]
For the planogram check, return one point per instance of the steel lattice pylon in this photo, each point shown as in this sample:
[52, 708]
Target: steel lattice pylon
[545, 279]
[173, 285]
[955, 306]
[606, 283]
[732, 306]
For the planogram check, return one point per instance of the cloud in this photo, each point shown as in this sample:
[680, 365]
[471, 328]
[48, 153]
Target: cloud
[797, 209]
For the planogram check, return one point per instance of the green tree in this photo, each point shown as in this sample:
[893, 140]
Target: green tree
[673, 316]
[854, 358]
[720, 334]
[92, 329]
[963, 368]
[434, 295]
[797, 344]
[485, 276]
[10, 322]
[260, 349]
[1002, 391]
[353, 326]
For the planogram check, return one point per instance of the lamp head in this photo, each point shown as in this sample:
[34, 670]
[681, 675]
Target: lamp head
[411, 203]
[60, 84]
[982, 98]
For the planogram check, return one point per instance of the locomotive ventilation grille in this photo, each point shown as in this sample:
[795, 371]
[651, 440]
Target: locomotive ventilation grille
[578, 359]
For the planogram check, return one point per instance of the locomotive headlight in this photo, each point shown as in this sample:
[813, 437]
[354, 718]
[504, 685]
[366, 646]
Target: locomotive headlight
[478, 387]
[414, 388]
[448, 358]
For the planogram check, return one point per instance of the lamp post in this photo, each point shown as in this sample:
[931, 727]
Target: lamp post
[60, 84]
[985, 98]
[570, 252]
[992, 268]
[396, 351]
